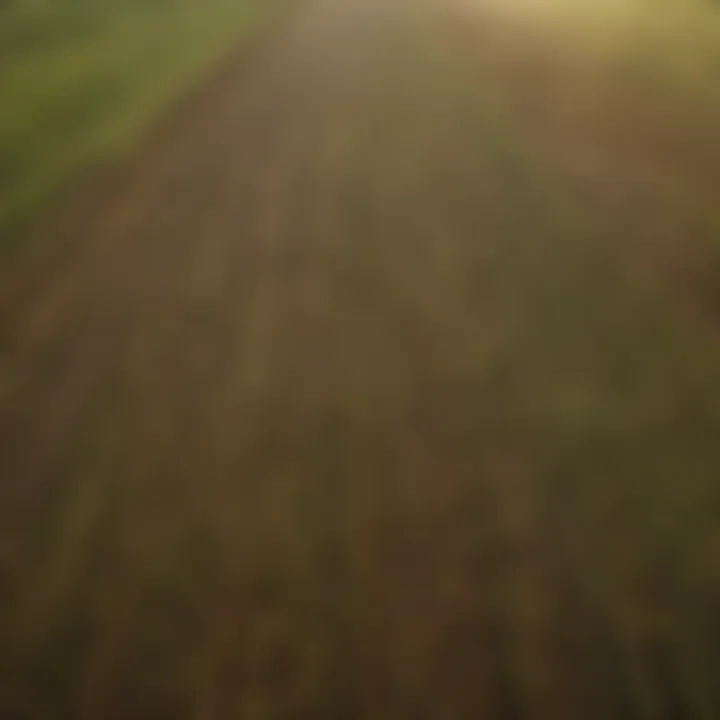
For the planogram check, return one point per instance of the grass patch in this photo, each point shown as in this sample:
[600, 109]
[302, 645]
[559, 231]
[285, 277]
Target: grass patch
[80, 82]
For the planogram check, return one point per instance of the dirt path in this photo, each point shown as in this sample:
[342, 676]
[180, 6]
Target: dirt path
[331, 407]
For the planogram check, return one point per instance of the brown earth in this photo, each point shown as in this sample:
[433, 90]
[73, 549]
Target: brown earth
[330, 405]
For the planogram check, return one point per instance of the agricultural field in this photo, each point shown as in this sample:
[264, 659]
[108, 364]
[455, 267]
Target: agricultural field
[82, 80]
[381, 382]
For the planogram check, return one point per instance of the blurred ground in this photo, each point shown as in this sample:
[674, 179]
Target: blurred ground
[383, 384]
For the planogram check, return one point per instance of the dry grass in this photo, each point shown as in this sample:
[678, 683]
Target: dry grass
[618, 103]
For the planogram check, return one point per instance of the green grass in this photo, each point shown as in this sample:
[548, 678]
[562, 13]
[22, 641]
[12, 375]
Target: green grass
[80, 81]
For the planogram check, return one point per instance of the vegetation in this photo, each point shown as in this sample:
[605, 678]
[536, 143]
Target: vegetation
[620, 101]
[81, 79]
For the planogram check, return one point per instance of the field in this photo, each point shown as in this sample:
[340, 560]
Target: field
[81, 80]
[382, 382]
